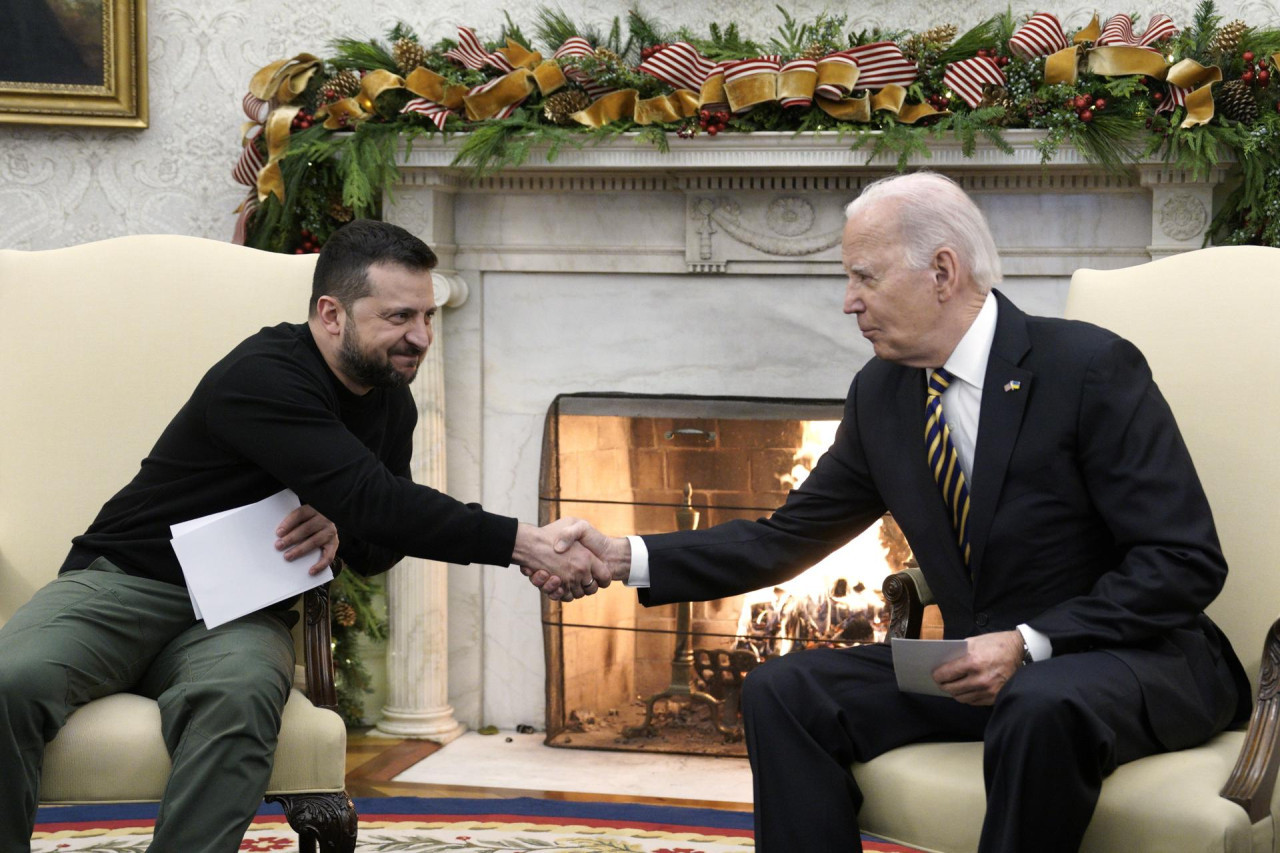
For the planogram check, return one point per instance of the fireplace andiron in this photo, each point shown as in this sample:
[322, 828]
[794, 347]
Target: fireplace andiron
[683, 681]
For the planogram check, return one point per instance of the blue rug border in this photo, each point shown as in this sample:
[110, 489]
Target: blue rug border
[461, 807]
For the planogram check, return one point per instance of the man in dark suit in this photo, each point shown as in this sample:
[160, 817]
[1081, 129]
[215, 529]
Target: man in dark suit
[1075, 549]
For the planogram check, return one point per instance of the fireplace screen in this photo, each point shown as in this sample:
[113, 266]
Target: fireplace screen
[622, 676]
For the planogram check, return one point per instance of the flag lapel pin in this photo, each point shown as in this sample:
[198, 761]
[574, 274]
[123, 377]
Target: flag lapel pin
[1012, 385]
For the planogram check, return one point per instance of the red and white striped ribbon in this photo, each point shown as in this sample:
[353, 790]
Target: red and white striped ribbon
[1119, 31]
[741, 68]
[471, 53]
[577, 46]
[967, 77]
[437, 113]
[881, 64]
[574, 46]
[241, 232]
[680, 65]
[1041, 35]
[799, 65]
[256, 108]
[1175, 96]
[250, 163]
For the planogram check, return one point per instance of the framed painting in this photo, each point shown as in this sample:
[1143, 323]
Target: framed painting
[81, 62]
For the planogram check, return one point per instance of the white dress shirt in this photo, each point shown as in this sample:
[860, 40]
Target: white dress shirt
[961, 404]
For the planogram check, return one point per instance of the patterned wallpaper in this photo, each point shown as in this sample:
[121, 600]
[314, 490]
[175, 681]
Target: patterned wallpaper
[61, 186]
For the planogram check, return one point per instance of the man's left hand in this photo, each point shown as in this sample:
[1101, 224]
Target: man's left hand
[305, 530]
[976, 678]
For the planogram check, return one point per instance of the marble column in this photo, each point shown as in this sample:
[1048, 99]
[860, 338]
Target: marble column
[417, 590]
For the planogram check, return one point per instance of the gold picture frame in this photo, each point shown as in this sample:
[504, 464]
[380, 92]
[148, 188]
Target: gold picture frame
[79, 62]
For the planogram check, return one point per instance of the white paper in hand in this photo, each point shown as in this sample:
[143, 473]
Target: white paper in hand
[231, 565]
[915, 660]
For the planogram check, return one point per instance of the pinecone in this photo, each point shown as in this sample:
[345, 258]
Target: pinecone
[559, 107]
[344, 614]
[408, 55]
[344, 84]
[815, 50]
[998, 96]
[939, 36]
[339, 212]
[933, 39]
[1237, 102]
[1227, 38]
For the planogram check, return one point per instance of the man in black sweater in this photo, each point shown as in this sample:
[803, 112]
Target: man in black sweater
[322, 408]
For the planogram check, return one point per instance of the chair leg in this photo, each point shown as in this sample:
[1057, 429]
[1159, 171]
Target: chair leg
[329, 819]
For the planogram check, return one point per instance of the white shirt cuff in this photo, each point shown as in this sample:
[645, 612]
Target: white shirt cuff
[1040, 646]
[639, 575]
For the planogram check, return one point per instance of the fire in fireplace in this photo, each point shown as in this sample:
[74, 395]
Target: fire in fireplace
[621, 676]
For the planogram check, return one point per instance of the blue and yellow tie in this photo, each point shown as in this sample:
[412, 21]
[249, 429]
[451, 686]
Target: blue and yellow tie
[945, 462]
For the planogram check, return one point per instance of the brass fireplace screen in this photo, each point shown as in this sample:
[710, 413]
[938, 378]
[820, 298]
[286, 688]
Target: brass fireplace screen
[621, 676]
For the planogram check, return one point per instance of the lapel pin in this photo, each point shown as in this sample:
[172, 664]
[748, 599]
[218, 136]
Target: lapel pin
[1012, 385]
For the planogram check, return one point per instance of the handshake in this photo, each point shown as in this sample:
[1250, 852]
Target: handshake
[569, 558]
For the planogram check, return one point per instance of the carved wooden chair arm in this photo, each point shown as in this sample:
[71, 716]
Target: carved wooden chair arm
[1253, 780]
[907, 593]
[317, 636]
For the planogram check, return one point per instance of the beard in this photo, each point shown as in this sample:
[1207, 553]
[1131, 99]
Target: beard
[370, 369]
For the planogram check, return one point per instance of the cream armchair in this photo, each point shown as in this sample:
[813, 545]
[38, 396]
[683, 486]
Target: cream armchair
[102, 345]
[1207, 322]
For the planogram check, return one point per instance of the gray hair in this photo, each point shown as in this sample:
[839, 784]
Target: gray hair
[934, 212]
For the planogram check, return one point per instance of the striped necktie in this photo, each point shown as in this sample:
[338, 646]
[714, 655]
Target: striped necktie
[945, 462]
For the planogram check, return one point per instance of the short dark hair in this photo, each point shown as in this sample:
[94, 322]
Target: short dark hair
[342, 270]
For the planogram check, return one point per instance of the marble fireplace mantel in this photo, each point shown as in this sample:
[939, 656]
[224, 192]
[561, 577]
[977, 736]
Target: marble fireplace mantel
[712, 268]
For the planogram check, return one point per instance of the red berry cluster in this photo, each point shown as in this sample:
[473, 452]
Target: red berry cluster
[646, 52]
[994, 55]
[939, 102]
[1087, 105]
[302, 121]
[309, 244]
[1257, 74]
[713, 122]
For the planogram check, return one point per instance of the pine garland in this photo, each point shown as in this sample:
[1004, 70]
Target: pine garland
[356, 595]
[330, 177]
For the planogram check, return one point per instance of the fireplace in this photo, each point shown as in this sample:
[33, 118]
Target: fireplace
[622, 268]
[668, 678]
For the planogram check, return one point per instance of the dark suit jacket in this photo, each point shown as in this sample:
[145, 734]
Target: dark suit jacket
[1087, 520]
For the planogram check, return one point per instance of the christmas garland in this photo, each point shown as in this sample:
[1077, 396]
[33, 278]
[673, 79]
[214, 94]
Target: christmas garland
[324, 134]
[355, 611]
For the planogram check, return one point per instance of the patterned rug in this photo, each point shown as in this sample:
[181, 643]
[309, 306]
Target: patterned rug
[417, 825]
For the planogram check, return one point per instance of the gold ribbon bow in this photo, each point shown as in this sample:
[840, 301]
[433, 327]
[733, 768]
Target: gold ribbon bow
[279, 83]
[1189, 74]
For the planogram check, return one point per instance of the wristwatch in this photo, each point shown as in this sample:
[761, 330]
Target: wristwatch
[1026, 652]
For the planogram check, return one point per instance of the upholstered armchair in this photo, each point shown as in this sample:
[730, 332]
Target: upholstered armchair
[1207, 322]
[102, 344]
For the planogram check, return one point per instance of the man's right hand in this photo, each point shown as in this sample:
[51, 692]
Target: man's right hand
[554, 555]
[612, 560]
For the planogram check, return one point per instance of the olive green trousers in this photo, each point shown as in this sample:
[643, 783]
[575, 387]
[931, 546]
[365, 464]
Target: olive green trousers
[221, 693]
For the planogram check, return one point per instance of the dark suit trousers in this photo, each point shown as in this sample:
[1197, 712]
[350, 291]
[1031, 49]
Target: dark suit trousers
[1057, 729]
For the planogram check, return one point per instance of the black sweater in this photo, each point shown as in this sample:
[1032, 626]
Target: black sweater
[272, 415]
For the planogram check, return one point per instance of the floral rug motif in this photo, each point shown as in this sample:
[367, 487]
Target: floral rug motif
[418, 825]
